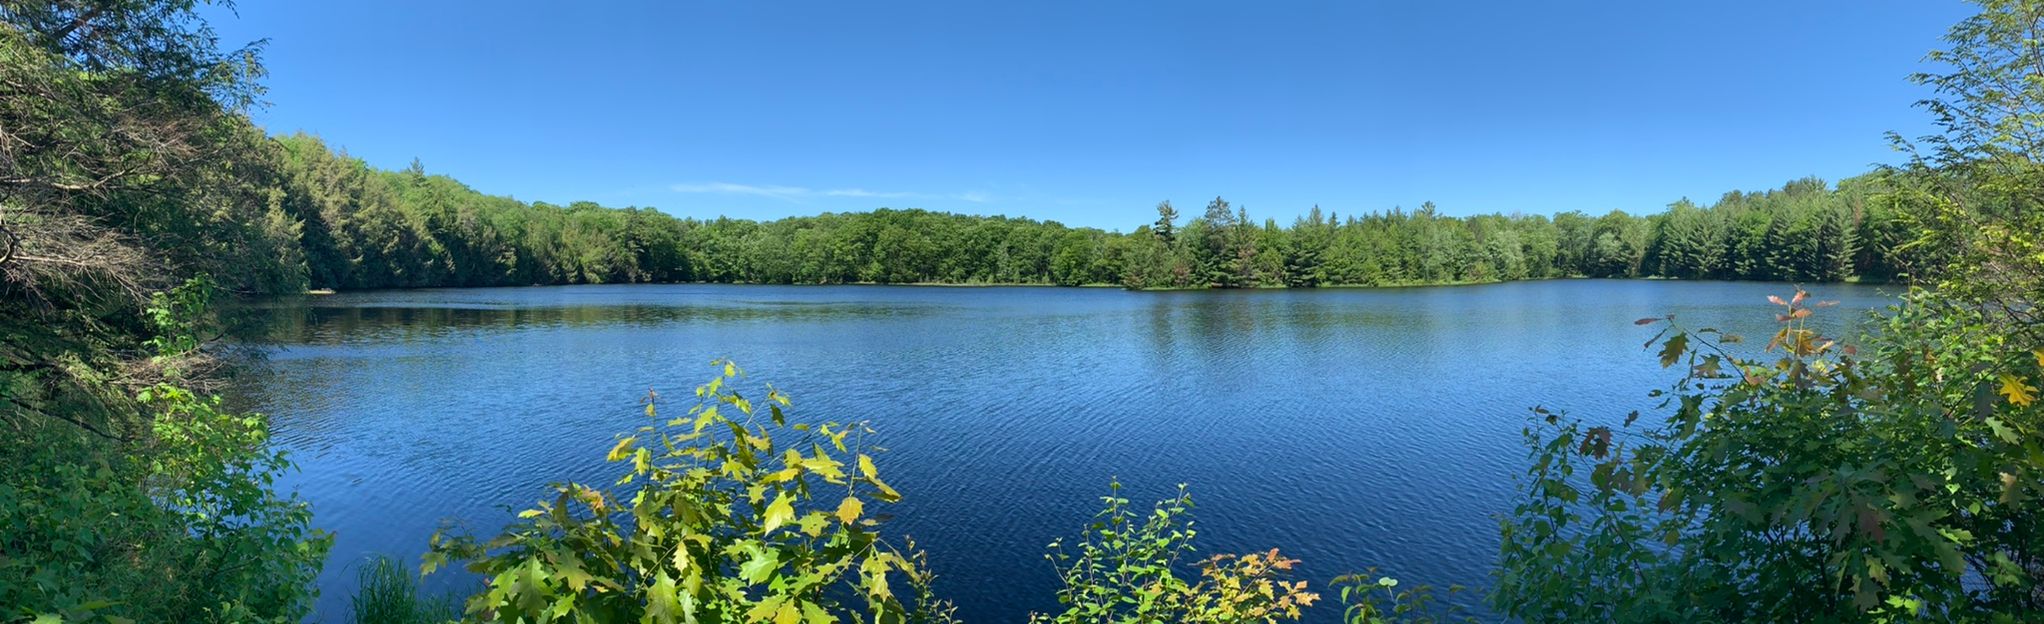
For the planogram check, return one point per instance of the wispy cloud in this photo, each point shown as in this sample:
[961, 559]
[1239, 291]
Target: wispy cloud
[799, 193]
[859, 192]
[726, 188]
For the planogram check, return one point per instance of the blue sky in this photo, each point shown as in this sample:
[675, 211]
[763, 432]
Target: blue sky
[1089, 112]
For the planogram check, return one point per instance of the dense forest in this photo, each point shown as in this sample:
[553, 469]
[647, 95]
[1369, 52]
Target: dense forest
[354, 226]
[1896, 479]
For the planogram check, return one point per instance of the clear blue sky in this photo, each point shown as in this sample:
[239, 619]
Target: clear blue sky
[1089, 112]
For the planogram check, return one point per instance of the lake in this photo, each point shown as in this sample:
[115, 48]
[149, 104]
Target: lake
[1351, 428]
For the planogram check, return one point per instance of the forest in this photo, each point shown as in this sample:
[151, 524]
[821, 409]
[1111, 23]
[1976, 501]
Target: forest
[342, 224]
[1895, 479]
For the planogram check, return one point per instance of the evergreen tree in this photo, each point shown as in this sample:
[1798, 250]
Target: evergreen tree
[1166, 228]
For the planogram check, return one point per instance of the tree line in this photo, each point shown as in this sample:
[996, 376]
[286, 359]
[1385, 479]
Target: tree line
[1805, 231]
[337, 222]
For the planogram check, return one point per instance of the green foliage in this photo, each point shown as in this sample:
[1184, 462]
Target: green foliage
[339, 223]
[1125, 569]
[1829, 483]
[727, 513]
[163, 513]
[1898, 480]
[1743, 236]
[1969, 196]
[1378, 600]
[387, 593]
[179, 316]
[154, 40]
[129, 495]
[364, 228]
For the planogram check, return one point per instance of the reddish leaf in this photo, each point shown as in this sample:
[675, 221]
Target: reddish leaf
[1597, 444]
[1870, 523]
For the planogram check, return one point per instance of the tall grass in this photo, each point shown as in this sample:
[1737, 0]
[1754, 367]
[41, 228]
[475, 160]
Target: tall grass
[386, 593]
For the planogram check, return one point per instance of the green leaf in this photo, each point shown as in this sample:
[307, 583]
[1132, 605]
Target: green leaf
[1672, 350]
[661, 604]
[778, 513]
[2002, 430]
[759, 566]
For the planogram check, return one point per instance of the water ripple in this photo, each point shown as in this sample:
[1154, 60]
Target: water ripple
[1352, 428]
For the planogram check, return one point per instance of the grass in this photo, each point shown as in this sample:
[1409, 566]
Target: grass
[386, 593]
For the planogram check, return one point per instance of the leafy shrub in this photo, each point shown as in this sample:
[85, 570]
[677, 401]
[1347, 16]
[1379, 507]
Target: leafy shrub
[164, 512]
[1379, 601]
[727, 513]
[1125, 570]
[1892, 482]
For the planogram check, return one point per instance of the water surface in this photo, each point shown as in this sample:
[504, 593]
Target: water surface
[1351, 428]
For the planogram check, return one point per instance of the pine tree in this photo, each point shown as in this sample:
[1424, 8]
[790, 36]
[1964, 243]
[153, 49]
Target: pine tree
[1166, 228]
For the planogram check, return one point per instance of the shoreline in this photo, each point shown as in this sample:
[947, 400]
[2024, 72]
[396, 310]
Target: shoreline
[320, 292]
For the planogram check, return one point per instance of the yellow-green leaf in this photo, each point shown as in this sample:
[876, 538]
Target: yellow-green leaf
[825, 467]
[886, 493]
[849, 510]
[813, 613]
[623, 446]
[778, 513]
[765, 609]
[813, 523]
[873, 577]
